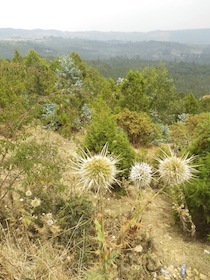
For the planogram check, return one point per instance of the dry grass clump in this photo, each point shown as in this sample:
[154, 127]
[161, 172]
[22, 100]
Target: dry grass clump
[22, 259]
[44, 233]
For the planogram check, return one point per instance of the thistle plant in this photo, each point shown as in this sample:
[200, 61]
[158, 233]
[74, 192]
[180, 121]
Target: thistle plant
[175, 170]
[141, 174]
[96, 172]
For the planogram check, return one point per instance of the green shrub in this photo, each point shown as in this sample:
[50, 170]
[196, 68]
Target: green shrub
[198, 197]
[201, 143]
[138, 126]
[28, 167]
[204, 103]
[103, 129]
[198, 192]
[194, 131]
[179, 135]
[120, 146]
[39, 162]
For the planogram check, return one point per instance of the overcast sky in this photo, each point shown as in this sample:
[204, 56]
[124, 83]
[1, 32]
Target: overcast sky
[105, 15]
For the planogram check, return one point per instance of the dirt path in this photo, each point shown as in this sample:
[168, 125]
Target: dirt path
[172, 246]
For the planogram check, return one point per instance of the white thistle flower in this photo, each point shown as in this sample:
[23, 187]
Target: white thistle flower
[50, 222]
[175, 170]
[97, 172]
[141, 174]
[28, 193]
[36, 202]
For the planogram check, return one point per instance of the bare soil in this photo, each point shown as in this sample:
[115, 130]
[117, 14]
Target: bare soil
[172, 245]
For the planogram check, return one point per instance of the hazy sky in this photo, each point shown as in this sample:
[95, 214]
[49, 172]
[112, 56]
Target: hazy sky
[105, 15]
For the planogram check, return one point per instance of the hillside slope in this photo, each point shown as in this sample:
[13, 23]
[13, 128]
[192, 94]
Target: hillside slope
[187, 36]
[183, 45]
[165, 244]
[153, 248]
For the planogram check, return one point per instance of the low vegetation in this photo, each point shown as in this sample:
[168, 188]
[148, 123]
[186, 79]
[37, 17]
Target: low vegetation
[83, 158]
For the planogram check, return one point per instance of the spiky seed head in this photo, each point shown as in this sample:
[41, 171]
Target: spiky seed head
[97, 172]
[141, 174]
[175, 170]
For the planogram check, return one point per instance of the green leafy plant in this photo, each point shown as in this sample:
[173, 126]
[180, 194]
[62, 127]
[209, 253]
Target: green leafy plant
[98, 172]
[139, 127]
[197, 193]
[29, 171]
[103, 129]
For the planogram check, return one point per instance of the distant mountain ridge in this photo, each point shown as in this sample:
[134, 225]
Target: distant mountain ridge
[181, 45]
[187, 36]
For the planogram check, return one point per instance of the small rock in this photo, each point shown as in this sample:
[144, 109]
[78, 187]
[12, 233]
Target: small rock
[207, 252]
[165, 272]
[138, 249]
[183, 271]
[153, 263]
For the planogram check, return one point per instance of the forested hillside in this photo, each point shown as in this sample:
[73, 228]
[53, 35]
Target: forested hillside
[185, 53]
[95, 49]
[186, 36]
[92, 168]
[187, 76]
[180, 45]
